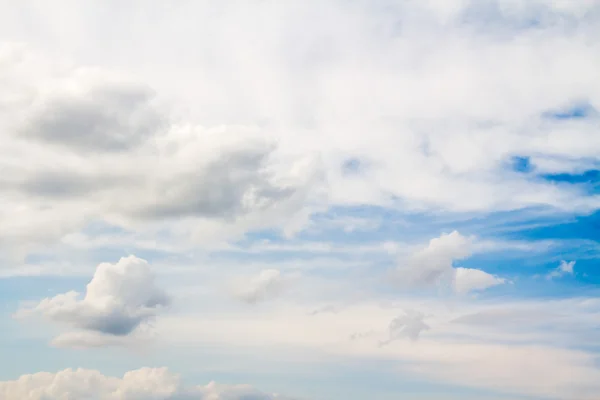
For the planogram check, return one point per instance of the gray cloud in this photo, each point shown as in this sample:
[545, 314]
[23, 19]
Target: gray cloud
[57, 183]
[267, 284]
[409, 325]
[233, 184]
[91, 147]
[104, 117]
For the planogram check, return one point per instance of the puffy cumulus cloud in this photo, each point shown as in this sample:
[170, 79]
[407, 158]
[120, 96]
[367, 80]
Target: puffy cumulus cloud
[433, 266]
[565, 268]
[141, 384]
[266, 284]
[119, 298]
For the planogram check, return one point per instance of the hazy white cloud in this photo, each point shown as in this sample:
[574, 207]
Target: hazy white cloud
[141, 384]
[565, 268]
[433, 266]
[267, 284]
[496, 347]
[409, 325]
[119, 298]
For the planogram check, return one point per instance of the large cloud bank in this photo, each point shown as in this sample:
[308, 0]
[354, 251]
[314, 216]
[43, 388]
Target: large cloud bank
[141, 384]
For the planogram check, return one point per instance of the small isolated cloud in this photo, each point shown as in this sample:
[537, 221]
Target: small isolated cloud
[410, 325]
[469, 279]
[119, 298]
[141, 384]
[565, 268]
[433, 266]
[267, 284]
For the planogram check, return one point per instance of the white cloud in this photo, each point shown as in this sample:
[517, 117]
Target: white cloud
[433, 266]
[433, 126]
[469, 279]
[513, 352]
[141, 384]
[101, 144]
[267, 284]
[193, 123]
[119, 298]
[565, 268]
[409, 325]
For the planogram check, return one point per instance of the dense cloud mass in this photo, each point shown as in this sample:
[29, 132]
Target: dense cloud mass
[141, 384]
[81, 145]
[418, 126]
[117, 300]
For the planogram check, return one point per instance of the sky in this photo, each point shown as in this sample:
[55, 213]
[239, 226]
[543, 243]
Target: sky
[300, 200]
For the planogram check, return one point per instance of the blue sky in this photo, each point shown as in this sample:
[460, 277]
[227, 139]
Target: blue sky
[212, 201]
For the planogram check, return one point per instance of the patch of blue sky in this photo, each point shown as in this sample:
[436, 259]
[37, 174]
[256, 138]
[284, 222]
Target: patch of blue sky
[521, 164]
[581, 227]
[23, 288]
[374, 224]
[546, 238]
[352, 165]
[578, 110]
[590, 177]
[490, 18]
[588, 181]
[415, 228]
[265, 235]
[30, 353]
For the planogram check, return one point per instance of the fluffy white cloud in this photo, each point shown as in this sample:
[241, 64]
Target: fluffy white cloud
[433, 266]
[119, 298]
[565, 268]
[141, 384]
